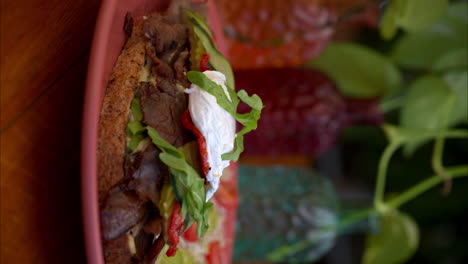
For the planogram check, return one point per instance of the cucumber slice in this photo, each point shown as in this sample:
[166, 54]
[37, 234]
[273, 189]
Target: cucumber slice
[198, 19]
[217, 60]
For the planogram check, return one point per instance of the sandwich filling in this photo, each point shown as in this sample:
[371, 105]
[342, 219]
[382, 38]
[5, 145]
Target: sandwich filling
[131, 218]
[169, 179]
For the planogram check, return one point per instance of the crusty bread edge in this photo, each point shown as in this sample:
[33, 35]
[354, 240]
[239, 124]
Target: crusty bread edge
[115, 110]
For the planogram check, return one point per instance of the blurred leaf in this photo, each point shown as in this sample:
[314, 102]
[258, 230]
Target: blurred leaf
[457, 58]
[455, 20]
[434, 103]
[358, 71]
[396, 242]
[388, 27]
[394, 134]
[458, 83]
[402, 135]
[420, 14]
[424, 103]
[410, 15]
[420, 50]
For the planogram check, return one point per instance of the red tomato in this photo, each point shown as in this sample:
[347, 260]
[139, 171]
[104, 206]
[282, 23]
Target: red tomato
[204, 62]
[191, 233]
[188, 124]
[176, 226]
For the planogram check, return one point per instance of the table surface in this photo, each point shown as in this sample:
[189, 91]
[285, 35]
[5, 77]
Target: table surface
[44, 54]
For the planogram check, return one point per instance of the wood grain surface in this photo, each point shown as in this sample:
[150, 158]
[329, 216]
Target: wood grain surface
[44, 56]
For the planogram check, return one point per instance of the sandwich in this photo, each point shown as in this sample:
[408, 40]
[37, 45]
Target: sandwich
[167, 135]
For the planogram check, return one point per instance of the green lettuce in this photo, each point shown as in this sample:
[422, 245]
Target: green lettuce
[248, 120]
[202, 32]
[188, 185]
[135, 129]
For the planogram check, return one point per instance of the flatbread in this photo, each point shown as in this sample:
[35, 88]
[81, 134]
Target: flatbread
[115, 110]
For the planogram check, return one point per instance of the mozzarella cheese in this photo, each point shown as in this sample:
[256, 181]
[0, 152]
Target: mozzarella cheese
[216, 125]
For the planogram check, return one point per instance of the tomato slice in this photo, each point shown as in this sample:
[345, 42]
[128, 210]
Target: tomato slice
[201, 141]
[176, 226]
[204, 62]
[191, 233]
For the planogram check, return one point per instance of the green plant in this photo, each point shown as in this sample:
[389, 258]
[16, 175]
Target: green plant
[424, 79]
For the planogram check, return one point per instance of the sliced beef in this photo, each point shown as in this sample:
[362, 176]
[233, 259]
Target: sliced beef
[164, 103]
[154, 251]
[143, 243]
[180, 68]
[161, 69]
[163, 34]
[146, 174]
[121, 212]
[171, 51]
[117, 251]
[163, 111]
[170, 56]
[153, 226]
[169, 86]
[130, 248]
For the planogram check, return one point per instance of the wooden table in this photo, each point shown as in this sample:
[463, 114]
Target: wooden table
[44, 55]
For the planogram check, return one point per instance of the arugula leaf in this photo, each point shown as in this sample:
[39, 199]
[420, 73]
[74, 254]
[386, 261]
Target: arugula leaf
[238, 147]
[248, 120]
[163, 144]
[189, 187]
[253, 101]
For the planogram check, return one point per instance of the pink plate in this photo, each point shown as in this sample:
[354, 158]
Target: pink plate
[107, 43]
